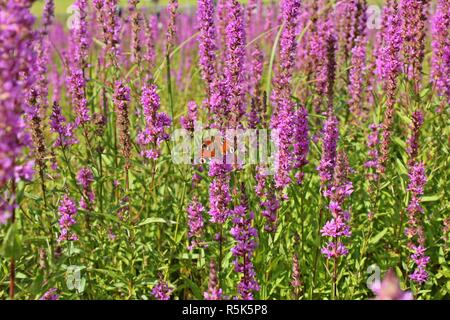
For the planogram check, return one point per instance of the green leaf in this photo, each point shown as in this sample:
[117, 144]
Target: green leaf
[432, 198]
[378, 237]
[12, 244]
[155, 220]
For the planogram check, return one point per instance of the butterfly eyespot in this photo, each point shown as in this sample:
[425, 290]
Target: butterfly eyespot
[202, 160]
[231, 150]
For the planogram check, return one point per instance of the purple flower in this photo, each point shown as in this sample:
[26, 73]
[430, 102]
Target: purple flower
[156, 123]
[301, 142]
[79, 36]
[270, 209]
[67, 210]
[188, 122]
[414, 230]
[207, 44]
[17, 57]
[417, 179]
[171, 24]
[235, 62]
[334, 250]
[214, 292]
[121, 102]
[51, 294]
[161, 291]
[357, 73]
[440, 63]
[373, 141]
[389, 288]
[413, 141]
[282, 134]
[245, 235]
[338, 226]
[77, 87]
[151, 31]
[330, 138]
[219, 192]
[6, 209]
[413, 19]
[59, 126]
[85, 178]
[195, 221]
[388, 61]
[48, 14]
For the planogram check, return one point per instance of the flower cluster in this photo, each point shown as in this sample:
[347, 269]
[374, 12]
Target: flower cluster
[414, 231]
[373, 140]
[51, 294]
[329, 146]
[389, 288]
[245, 235]
[188, 122]
[214, 292]
[67, 210]
[162, 291]
[121, 102]
[85, 178]
[195, 222]
[338, 226]
[440, 63]
[59, 126]
[156, 123]
[207, 46]
[219, 192]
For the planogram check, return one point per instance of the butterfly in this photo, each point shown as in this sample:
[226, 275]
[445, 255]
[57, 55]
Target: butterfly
[216, 148]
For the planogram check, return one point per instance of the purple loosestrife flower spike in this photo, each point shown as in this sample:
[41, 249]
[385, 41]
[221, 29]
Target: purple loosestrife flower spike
[151, 29]
[246, 236]
[17, 57]
[85, 178]
[77, 87]
[195, 222]
[48, 15]
[161, 291]
[188, 122]
[301, 142]
[235, 62]
[214, 292]
[79, 34]
[414, 230]
[357, 76]
[413, 22]
[171, 25]
[135, 43]
[338, 226]
[207, 44]
[67, 210]
[389, 288]
[388, 67]
[373, 141]
[51, 294]
[59, 126]
[219, 192]
[121, 101]
[440, 63]
[283, 118]
[156, 124]
[413, 141]
[330, 136]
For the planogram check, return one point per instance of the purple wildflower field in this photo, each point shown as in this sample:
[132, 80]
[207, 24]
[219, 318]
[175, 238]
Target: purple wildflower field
[268, 150]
